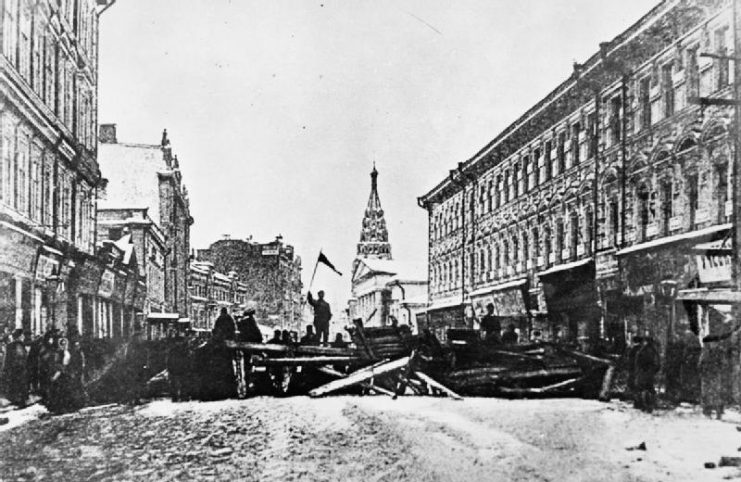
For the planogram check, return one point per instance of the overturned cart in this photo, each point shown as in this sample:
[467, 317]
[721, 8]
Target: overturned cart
[392, 361]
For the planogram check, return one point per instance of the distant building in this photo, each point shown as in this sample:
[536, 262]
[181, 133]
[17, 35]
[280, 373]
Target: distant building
[150, 244]
[210, 291]
[271, 272]
[379, 296]
[147, 176]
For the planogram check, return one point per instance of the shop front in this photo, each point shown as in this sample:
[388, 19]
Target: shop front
[510, 301]
[18, 254]
[444, 315]
[570, 293]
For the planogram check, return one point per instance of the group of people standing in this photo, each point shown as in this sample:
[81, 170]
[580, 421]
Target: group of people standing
[492, 329]
[48, 366]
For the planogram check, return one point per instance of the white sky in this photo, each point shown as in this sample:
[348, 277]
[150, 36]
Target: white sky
[277, 109]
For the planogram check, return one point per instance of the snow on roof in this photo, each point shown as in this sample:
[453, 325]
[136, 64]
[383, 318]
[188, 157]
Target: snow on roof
[131, 170]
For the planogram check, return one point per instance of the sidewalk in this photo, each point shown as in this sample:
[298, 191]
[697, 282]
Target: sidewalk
[18, 417]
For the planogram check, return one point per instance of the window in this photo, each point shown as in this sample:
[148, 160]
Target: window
[575, 144]
[489, 196]
[516, 180]
[548, 161]
[721, 174]
[643, 210]
[668, 86]
[24, 41]
[614, 221]
[575, 234]
[525, 247]
[507, 184]
[8, 160]
[693, 196]
[547, 245]
[35, 198]
[561, 153]
[536, 243]
[721, 48]
[500, 190]
[589, 230]
[693, 73]
[592, 135]
[559, 239]
[667, 205]
[615, 119]
[526, 173]
[10, 22]
[537, 167]
[515, 250]
[645, 101]
[21, 180]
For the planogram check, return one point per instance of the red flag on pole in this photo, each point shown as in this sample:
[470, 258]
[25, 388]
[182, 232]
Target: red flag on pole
[323, 259]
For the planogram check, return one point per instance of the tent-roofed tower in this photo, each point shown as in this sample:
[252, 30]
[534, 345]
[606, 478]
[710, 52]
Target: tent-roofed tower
[374, 237]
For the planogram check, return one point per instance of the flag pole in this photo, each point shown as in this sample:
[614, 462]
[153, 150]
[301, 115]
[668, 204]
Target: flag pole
[314, 272]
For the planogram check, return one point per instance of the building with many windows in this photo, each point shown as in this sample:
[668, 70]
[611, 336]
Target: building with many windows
[210, 291]
[583, 218]
[147, 178]
[48, 169]
[271, 273]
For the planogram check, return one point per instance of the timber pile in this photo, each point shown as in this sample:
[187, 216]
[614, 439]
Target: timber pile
[539, 369]
[386, 342]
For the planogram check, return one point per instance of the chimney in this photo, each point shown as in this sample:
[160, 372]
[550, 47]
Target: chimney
[107, 134]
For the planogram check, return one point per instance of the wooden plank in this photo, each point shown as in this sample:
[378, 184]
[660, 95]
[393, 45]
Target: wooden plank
[539, 390]
[360, 331]
[257, 347]
[433, 383]
[368, 385]
[360, 376]
[324, 350]
[583, 356]
[604, 393]
[307, 360]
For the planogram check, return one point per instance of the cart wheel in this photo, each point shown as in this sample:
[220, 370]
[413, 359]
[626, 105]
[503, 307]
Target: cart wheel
[240, 372]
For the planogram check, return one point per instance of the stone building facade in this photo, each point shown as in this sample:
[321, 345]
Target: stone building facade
[151, 249]
[210, 291]
[271, 272]
[148, 177]
[581, 218]
[48, 168]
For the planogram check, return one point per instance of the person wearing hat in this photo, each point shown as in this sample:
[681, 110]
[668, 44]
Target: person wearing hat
[15, 372]
[248, 329]
[322, 315]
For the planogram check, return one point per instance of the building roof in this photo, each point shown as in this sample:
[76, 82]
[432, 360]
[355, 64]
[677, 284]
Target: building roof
[131, 170]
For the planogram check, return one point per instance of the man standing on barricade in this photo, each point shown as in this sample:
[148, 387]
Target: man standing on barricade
[322, 315]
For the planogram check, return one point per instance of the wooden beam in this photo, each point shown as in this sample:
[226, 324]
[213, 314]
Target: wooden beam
[433, 383]
[306, 360]
[368, 385]
[360, 376]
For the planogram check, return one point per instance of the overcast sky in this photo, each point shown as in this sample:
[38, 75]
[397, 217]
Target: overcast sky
[277, 109]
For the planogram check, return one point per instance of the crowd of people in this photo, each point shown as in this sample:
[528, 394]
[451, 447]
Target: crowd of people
[49, 367]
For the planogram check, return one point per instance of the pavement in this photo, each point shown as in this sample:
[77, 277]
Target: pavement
[372, 438]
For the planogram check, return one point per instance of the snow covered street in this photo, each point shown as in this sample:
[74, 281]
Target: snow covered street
[368, 438]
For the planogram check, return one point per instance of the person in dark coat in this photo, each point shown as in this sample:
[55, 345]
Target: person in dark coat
[33, 363]
[276, 339]
[179, 368]
[15, 371]
[309, 338]
[62, 397]
[339, 342]
[510, 336]
[136, 362]
[630, 364]
[322, 315]
[224, 327]
[47, 354]
[491, 326]
[77, 368]
[713, 371]
[647, 364]
[286, 338]
[689, 376]
[248, 329]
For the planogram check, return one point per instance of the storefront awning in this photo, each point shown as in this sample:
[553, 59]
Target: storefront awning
[674, 239]
[567, 266]
[500, 287]
[154, 317]
[710, 296]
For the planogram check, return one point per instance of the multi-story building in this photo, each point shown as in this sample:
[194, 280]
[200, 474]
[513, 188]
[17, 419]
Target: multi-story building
[150, 244]
[210, 291]
[48, 169]
[582, 218]
[148, 177]
[271, 272]
[378, 292]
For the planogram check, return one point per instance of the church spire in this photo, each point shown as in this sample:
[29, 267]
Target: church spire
[374, 238]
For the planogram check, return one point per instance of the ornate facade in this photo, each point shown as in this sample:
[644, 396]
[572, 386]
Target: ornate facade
[580, 218]
[48, 169]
